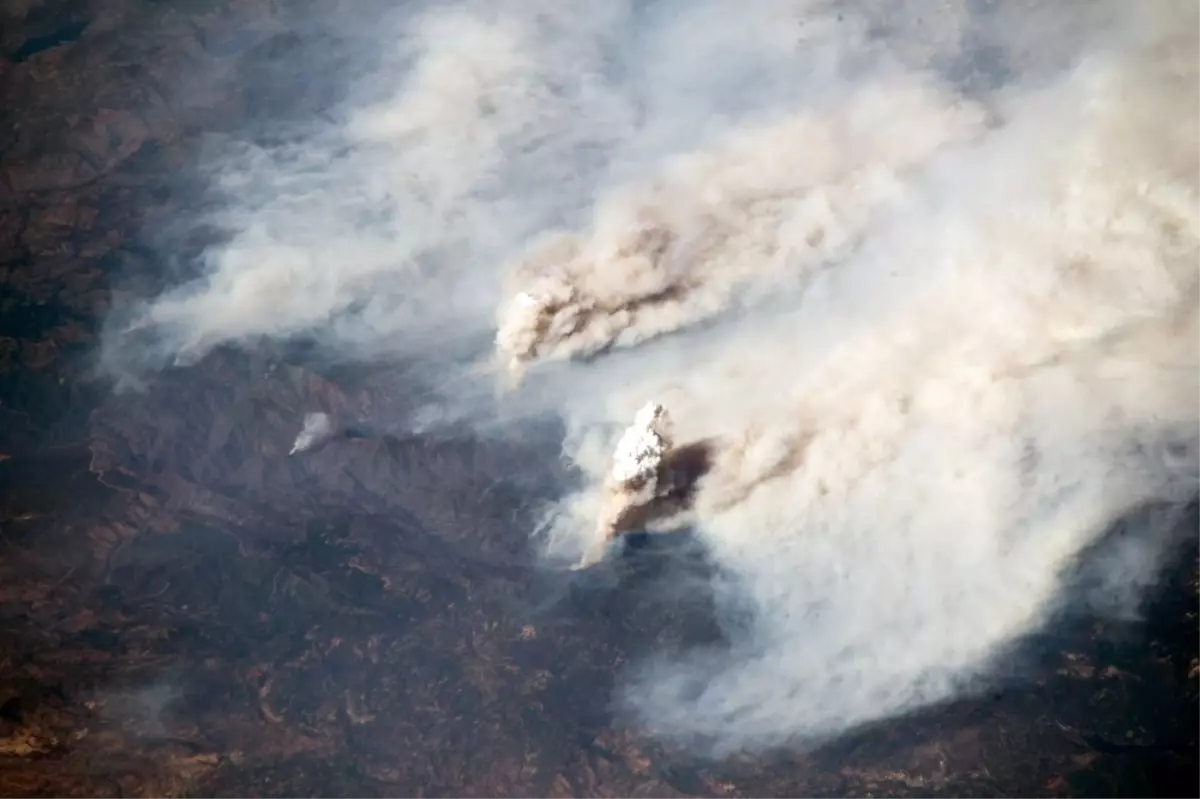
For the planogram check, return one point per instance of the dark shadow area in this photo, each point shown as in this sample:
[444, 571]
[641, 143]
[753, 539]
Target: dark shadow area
[63, 34]
[680, 473]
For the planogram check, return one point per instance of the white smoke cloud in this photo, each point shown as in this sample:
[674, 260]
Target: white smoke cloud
[945, 258]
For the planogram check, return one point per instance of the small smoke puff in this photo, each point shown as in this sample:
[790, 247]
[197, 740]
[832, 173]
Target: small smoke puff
[318, 428]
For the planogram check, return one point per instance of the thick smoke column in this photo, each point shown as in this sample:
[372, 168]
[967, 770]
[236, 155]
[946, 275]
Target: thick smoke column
[764, 209]
[945, 258]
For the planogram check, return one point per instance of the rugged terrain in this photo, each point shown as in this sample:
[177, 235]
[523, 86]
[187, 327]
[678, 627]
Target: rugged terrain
[184, 610]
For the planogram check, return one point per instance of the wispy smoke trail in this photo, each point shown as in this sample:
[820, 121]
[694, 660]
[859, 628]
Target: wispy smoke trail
[945, 258]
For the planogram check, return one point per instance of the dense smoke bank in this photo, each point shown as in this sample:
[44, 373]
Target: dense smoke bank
[920, 279]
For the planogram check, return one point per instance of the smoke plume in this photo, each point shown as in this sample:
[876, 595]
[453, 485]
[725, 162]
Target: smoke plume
[921, 278]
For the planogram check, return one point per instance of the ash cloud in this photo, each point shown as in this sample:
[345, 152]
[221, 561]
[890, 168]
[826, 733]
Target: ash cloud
[921, 277]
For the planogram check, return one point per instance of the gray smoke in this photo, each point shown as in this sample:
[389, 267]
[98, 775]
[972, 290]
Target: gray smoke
[922, 275]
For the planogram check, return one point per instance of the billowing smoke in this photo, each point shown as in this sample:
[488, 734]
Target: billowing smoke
[919, 278]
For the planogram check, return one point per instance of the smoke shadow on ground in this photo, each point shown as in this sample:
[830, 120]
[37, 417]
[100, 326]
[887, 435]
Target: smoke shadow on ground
[1040, 681]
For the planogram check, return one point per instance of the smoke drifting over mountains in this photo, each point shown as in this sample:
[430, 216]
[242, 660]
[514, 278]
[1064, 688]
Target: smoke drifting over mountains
[922, 276]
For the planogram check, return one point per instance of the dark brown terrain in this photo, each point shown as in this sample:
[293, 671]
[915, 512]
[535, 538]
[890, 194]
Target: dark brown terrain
[184, 610]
